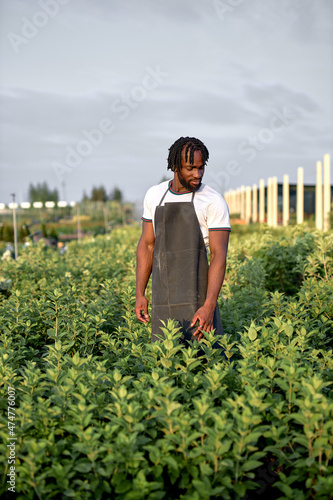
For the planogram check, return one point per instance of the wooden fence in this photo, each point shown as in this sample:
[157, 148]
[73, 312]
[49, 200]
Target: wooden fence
[255, 204]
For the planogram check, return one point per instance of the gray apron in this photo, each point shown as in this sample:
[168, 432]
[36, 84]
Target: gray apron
[180, 269]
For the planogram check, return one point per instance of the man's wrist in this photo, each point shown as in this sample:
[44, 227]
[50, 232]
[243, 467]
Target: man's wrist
[210, 304]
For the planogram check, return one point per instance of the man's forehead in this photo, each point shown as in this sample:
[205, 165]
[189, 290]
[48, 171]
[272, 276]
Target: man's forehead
[196, 152]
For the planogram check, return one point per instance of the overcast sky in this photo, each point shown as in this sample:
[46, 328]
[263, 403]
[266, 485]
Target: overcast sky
[95, 91]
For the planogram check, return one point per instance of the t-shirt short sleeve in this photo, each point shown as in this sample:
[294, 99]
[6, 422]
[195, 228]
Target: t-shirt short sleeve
[218, 215]
[147, 207]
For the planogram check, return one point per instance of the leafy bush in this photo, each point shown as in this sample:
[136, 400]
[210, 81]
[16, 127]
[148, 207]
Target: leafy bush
[283, 261]
[103, 413]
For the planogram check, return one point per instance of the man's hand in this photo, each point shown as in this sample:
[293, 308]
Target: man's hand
[141, 309]
[205, 316]
[144, 256]
[218, 244]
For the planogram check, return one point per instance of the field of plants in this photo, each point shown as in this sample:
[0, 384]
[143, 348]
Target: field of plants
[91, 409]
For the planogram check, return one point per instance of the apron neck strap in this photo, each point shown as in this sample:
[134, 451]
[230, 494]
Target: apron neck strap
[163, 197]
[166, 193]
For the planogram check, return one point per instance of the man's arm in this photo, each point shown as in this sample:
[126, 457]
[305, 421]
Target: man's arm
[144, 264]
[218, 244]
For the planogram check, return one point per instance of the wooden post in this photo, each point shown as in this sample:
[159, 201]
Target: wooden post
[285, 202]
[238, 203]
[233, 199]
[300, 196]
[242, 207]
[274, 202]
[248, 205]
[269, 201]
[276, 207]
[255, 203]
[319, 197]
[261, 201]
[327, 194]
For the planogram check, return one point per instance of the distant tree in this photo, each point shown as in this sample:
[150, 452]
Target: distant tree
[41, 192]
[85, 196]
[116, 195]
[98, 194]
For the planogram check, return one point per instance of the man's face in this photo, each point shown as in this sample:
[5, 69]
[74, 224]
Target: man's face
[190, 175]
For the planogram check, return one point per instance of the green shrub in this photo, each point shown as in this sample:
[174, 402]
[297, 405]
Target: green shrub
[103, 413]
[283, 260]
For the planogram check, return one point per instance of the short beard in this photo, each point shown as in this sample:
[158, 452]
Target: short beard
[187, 185]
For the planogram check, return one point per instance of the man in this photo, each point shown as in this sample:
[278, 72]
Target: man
[181, 219]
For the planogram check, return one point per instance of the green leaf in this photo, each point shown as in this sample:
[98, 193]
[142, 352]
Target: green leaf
[171, 462]
[250, 465]
[83, 466]
[252, 333]
[122, 392]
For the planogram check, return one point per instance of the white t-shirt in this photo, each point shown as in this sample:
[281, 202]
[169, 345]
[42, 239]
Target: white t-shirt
[210, 206]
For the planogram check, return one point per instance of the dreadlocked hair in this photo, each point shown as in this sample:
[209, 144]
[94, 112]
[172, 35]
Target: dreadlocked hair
[191, 145]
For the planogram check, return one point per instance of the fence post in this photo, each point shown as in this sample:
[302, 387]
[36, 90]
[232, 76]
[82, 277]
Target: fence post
[238, 201]
[269, 201]
[319, 197]
[274, 202]
[248, 205]
[242, 207]
[233, 199]
[300, 196]
[327, 193]
[285, 198]
[261, 201]
[255, 203]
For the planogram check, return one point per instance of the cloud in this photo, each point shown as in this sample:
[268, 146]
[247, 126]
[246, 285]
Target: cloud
[226, 80]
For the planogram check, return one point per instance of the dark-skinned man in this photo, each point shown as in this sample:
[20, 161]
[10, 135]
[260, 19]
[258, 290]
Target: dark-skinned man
[182, 218]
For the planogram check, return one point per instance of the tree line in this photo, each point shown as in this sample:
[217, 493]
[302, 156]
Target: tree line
[42, 192]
